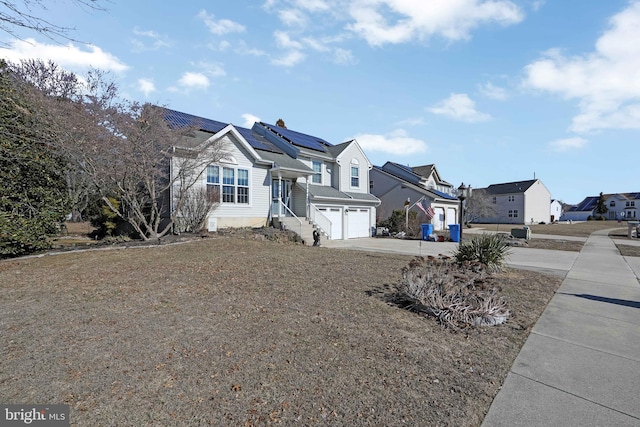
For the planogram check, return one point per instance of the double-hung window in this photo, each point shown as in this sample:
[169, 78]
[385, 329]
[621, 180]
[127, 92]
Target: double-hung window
[228, 185]
[316, 178]
[355, 176]
[213, 181]
[234, 187]
[243, 186]
[512, 198]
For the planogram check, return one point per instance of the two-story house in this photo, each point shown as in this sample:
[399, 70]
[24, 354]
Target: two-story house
[521, 202]
[620, 206]
[398, 186]
[273, 175]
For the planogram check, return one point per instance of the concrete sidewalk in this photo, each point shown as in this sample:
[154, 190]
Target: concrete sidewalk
[581, 364]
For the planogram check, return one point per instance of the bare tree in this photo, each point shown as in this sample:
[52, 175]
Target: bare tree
[30, 15]
[196, 207]
[479, 205]
[122, 150]
[141, 164]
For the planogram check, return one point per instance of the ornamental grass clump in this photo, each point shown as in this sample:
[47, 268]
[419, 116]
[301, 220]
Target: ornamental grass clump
[489, 249]
[456, 294]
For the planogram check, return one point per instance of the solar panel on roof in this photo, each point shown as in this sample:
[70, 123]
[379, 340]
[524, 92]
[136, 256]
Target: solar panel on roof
[179, 119]
[301, 139]
[259, 144]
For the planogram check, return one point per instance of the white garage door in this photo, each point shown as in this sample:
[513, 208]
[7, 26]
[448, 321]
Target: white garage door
[451, 216]
[335, 216]
[438, 219]
[358, 222]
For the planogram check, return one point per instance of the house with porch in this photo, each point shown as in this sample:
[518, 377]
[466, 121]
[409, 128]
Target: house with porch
[520, 202]
[273, 175]
[395, 184]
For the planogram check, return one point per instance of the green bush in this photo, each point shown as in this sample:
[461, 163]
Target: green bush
[488, 249]
[398, 222]
[105, 220]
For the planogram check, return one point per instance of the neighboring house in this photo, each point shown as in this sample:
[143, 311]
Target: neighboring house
[274, 175]
[395, 184]
[521, 202]
[582, 211]
[556, 210]
[620, 206]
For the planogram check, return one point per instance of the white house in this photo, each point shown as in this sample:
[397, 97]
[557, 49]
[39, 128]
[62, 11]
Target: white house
[275, 175]
[620, 206]
[396, 184]
[521, 202]
[555, 210]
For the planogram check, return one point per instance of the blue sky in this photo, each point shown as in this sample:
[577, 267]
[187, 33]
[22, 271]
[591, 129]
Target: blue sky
[490, 91]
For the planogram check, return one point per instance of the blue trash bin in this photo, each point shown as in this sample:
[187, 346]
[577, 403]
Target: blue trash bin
[454, 231]
[427, 230]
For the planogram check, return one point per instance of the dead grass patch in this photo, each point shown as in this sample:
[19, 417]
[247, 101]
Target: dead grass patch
[232, 331]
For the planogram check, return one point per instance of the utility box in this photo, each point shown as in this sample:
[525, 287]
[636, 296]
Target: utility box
[521, 233]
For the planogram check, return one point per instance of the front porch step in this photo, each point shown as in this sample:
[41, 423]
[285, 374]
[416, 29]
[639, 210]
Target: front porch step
[306, 229]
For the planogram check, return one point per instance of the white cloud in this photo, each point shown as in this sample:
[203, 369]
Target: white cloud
[249, 120]
[459, 107]
[191, 80]
[568, 144]
[397, 142]
[294, 55]
[605, 82]
[412, 121]
[157, 41]
[312, 5]
[398, 21]
[146, 86]
[220, 26]
[290, 59]
[292, 17]
[537, 4]
[213, 69]
[284, 41]
[493, 92]
[69, 57]
[343, 57]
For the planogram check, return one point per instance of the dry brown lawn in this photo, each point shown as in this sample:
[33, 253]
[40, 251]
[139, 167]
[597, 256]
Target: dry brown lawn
[242, 332]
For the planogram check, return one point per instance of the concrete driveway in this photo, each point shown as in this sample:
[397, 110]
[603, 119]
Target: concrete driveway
[555, 262]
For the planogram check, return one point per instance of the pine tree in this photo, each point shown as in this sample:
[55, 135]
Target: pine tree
[601, 207]
[33, 200]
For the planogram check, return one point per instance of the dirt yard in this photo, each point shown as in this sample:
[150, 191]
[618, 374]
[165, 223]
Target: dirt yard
[246, 331]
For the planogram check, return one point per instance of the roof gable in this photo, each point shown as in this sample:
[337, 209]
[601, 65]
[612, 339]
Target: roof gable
[416, 186]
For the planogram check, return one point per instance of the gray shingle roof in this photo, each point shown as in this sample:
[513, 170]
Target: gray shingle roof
[284, 161]
[510, 187]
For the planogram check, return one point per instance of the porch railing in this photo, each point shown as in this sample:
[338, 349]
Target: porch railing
[319, 220]
[290, 220]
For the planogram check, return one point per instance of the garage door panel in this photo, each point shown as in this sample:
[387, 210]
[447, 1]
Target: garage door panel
[358, 221]
[335, 216]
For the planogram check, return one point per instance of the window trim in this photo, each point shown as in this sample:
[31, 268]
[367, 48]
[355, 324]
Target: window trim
[219, 185]
[317, 174]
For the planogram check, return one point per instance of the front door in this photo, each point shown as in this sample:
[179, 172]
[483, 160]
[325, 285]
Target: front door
[276, 207]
